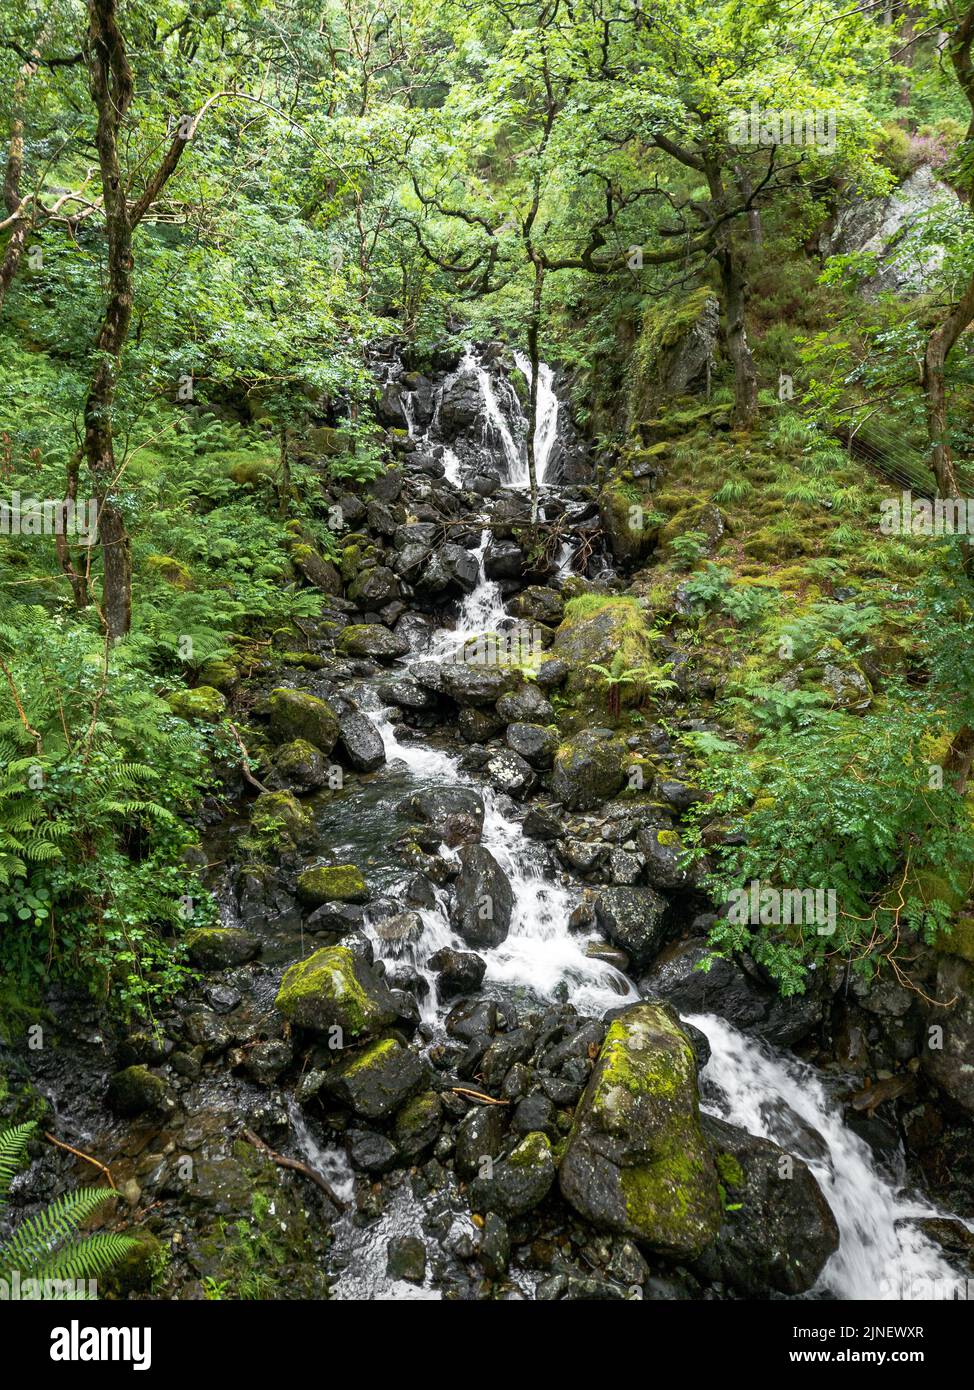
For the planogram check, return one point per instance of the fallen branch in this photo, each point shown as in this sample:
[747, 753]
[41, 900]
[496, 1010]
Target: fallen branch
[297, 1166]
[245, 760]
[87, 1157]
[477, 1095]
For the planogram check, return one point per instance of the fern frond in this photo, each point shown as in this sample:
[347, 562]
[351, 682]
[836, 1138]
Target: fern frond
[37, 1236]
[13, 1146]
[87, 1258]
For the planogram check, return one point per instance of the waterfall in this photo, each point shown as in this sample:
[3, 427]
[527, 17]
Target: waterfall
[880, 1255]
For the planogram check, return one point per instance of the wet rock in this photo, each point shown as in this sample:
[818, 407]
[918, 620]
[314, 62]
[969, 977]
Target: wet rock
[360, 741]
[371, 640]
[535, 1112]
[338, 918]
[335, 989]
[662, 849]
[478, 726]
[495, 1246]
[404, 929]
[137, 1090]
[332, 883]
[533, 742]
[448, 570]
[632, 918]
[456, 812]
[484, 900]
[552, 672]
[461, 405]
[636, 1161]
[407, 695]
[372, 588]
[294, 714]
[517, 1183]
[417, 1125]
[480, 1137]
[469, 683]
[503, 560]
[542, 823]
[538, 604]
[370, 1151]
[207, 1031]
[406, 1259]
[581, 856]
[217, 948]
[525, 705]
[949, 1065]
[506, 1051]
[726, 989]
[458, 972]
[589, 768]
[376, 1082]
[265, 1062]
[781, 1231]
[680, 795]
[472, 1018]
[204, 703]
[624, 869]
[300, 766]
[511, 774]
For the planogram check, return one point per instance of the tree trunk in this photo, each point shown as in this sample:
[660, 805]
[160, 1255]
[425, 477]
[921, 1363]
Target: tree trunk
[735, 334]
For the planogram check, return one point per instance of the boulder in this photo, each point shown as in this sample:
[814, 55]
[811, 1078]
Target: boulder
[336, 989]
[632, 918]
[294, 714]
[946, 1058]
[538, 604]
[360, 741]
[371, 640]
[525, 704]
[456, 812]
[636, 1161]
[332, 883]
[778, 1230]
[458, 972]
[375, 1082]
[470, 683]
[484, 900]
[136, 1090]
[217, 948]
[510, 773]
[300, 766]
[533, 742]
[372, 588]
[516, 1183]
[589, 768]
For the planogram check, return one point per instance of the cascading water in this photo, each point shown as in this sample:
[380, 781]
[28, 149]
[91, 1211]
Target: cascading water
[882, 1254]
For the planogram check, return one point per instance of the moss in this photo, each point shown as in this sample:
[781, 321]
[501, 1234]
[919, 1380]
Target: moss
[324, 991]
[173, 571]
[220, 674]
[278, 822]
[669, 838]
[533, 1149]
[203, 703]
[336, 883]
[730, 1171]
[372, 1056]
[296, 714]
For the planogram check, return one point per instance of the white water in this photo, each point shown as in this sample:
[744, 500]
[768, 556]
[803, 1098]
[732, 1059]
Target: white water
[546, 425]
[744, 1083]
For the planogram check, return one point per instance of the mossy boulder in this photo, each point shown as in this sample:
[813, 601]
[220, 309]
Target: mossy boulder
[301, 766]
[518, 1182]
[778, 1231]
[636, 1161]
[296, 714]
[318, 571]
[336, 990]
[959, 941]
[595, 627]
[589, 768]
[538, 604]
[630, 522]
[278, 822]
[173, 571]
[136, 1090]
[376, 1082]
[204, 703]
[371, 640]
[418, 1125]
[216, 948]
[220, 673]
[332, 883]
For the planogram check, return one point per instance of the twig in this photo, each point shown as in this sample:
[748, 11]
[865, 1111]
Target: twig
[283, 1161]
[245, 760]
[477, 1095]
[87, 1158]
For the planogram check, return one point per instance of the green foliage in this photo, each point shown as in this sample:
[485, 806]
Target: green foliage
[46, 1247]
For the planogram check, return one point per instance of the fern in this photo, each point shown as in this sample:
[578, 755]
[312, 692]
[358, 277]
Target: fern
[44, 1246]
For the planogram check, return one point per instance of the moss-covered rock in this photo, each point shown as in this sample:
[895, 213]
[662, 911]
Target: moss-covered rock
[371, 640]
[301, 766]
[173, 571]
[333, 989]
[636, 1161]
[136, 1090]
[596, 627]
[296, 714]
[332, 883]
[629, 520]
[518, 1182]
[203, 703]
[376, 1082]
[278, 822]
[589, 768]
[216, 948]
